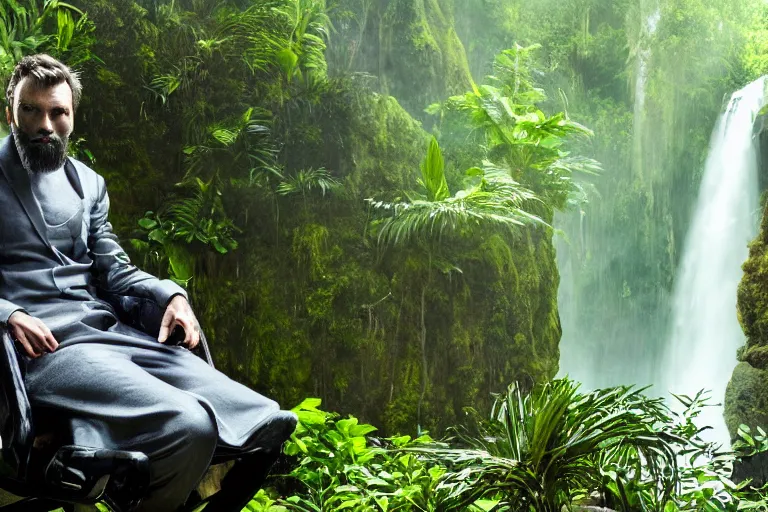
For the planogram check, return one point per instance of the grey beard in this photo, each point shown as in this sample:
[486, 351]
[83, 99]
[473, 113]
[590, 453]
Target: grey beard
[40, 158]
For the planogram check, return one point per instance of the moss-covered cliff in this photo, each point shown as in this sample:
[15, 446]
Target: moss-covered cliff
[410, 46]
[328, 313]
[746, 400]
[309, 304]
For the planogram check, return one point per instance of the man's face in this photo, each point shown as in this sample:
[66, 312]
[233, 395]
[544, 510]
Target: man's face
[41, 122]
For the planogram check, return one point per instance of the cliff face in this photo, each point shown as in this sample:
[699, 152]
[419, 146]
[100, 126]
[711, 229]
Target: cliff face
[746, 399]
[410, 46]
[308, 304]
[491, 314]
[353, 337]
[490, 323]
[422, 57]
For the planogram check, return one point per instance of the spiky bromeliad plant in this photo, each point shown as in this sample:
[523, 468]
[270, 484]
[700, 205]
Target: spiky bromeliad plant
[547, 449]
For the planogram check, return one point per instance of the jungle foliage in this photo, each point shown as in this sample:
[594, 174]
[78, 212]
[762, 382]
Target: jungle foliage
[548, 449]
[245, 138]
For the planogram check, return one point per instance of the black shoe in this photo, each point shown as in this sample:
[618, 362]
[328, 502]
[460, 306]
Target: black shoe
[268, 437]
[271, 435]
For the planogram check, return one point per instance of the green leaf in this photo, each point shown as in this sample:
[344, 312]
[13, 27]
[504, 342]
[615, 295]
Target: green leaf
[475, 172]
[66, 27]
[400, 441]
[180, 261]
[287, 60]
[147, 223]
[308, 404]
[433, 173]
[139, 245]
[220, 248]
[382, 502]
[157, 235]
[362, 430]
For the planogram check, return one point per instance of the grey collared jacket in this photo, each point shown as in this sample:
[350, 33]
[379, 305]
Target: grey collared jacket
[37, 278]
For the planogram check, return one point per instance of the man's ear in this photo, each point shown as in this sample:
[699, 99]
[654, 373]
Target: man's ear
[8, 117]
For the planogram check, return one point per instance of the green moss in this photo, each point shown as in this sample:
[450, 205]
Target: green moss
[753, 292]
[424, 58]
[746, 399]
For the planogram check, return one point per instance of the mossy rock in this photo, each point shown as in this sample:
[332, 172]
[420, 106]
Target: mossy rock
[410, 47]
[757, 357]
[746, 400]
[422, 58]
[753, 291]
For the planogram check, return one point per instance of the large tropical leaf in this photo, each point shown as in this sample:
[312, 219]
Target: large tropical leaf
[494, 201]
[433, 173]
[519, 135]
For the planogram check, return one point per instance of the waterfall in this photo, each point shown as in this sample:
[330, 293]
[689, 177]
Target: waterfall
[641, 80]
[614, 359]
[705, 333]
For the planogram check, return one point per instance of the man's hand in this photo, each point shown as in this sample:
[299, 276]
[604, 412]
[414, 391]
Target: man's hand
[180, 313]
[32, 334]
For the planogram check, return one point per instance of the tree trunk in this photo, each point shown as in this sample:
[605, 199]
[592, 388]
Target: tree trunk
[393, 352]
[423, 356]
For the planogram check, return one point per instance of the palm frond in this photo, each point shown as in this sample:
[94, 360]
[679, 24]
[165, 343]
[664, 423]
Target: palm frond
[495, 200]
[496, 205]
[306, 181]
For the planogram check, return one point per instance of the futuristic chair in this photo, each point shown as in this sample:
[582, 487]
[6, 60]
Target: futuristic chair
[39, 463]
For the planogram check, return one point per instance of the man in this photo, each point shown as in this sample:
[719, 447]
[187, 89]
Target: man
[119, 388]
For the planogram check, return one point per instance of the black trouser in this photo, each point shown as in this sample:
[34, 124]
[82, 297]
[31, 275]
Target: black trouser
[242, 482]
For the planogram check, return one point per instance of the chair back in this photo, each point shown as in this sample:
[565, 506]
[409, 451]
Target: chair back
[16, 429]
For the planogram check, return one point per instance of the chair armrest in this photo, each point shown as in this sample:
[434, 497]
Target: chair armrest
[82, 474]
[204, 351]
[146, 316]
[15, 411]
[142, 314]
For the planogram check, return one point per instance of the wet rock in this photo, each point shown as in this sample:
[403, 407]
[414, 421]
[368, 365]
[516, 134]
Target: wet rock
[746, 398]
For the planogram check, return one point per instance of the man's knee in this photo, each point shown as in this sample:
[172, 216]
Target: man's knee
[191, 428]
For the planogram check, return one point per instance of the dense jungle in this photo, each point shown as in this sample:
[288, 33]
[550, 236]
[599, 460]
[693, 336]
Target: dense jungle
[422, 223]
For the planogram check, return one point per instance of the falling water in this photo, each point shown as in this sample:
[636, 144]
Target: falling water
[705, 332]
[607, 363]
[641, 80]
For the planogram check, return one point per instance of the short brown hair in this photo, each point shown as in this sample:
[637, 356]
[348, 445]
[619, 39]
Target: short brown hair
[46, 72]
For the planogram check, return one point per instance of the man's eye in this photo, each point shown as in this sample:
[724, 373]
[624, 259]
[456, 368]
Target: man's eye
[27, 108]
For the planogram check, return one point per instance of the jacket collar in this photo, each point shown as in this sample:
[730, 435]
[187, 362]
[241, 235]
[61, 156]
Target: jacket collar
[17, 176]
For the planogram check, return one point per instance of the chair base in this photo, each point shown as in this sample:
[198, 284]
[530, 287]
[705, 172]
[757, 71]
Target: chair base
[37, 505]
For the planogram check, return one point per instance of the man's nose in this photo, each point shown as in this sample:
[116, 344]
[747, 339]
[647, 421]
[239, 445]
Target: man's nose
[46, 126]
